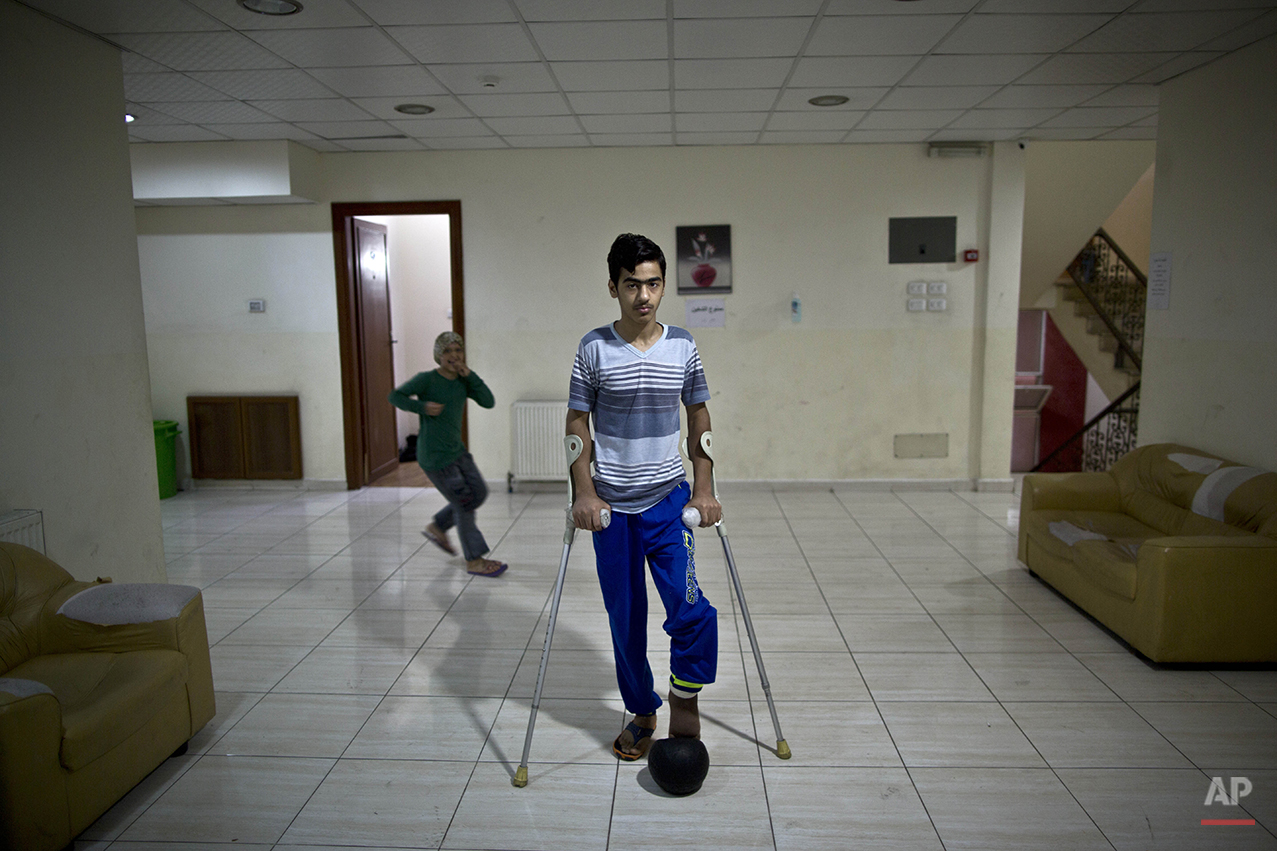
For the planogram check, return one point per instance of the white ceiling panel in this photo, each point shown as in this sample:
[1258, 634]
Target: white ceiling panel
[318, 13]
[1082, 69]
[534, 125]
[408, 12]
[465, 143]
[631, 140]
[466, 43]
[617, 103]
[272, 84]
[858, 98]
[823, 120]
[143, 115]
[1059, 7]
[612, 76]
[548, 141]
[990, 70]
[627, 123]
[739, 38]
[214, 112]
[601, 40]
[340, 130]
[444, 106]
[844, 71]
[1021, 33]
[988, 134]
[201, 51]
[174, 133]
[730, 73]
[326, 109]
[1099, 116]
[441, 128]
[130, 16]
[135, 63]
[382, 145]
[384, 81]
[936, 97]
[262, 131]
[336, 48]
[915, 119]
[1162, 32]
[504, 105]
[1145, 133]
[1132, 95]
[715, 138]
[159, 88]
[995, 118]
[887, 137]
[491, 77]
[895, 7]
[744, 8]
[1021, 97]
[1261, 27]
[874, 35]
[718, 122]
[1181, 63]
[801, 137]
[591, 10]
[724, 100]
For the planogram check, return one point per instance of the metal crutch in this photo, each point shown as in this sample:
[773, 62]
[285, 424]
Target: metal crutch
[782, 747]
[573, 446]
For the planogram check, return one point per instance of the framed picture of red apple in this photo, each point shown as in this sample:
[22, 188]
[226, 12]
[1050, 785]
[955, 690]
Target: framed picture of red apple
[704, 259]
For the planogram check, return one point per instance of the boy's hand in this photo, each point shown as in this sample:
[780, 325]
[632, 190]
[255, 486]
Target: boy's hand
[434, 409]
[711, 510]
[585, 513]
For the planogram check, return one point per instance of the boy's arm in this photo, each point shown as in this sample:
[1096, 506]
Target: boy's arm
[586, 505]
[477, 390]
[703, 499]
[401, 396]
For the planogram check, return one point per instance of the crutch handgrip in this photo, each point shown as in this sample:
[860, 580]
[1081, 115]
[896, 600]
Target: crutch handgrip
[573, 446]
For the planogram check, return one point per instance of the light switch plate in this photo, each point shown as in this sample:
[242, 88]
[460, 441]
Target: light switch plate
[917, 287]
[917, 305]
[257, 305]
[937, 288]
[937, 304]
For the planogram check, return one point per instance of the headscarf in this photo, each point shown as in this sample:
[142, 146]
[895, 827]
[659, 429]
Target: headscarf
[443, 341]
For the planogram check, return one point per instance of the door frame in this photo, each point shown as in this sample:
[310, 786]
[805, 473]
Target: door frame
[348, 326]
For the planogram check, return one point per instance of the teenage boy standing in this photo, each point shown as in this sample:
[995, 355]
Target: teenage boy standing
[632, 375]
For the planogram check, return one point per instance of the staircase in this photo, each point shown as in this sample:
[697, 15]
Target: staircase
[1107, 293]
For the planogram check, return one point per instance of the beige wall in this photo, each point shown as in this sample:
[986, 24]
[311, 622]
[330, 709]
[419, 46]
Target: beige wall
[821, 399]
[76, 416]
[1210, 360]
[1070, 188]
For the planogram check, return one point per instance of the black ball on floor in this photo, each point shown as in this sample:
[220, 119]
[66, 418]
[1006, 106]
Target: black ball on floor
[678, 765]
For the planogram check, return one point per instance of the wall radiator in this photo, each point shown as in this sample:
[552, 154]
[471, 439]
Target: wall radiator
[23, 526]
[536, 445]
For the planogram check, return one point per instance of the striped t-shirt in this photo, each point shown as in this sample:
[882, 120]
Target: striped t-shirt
[634, 397]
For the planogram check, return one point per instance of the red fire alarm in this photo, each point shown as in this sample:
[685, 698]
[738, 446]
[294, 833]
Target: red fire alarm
[970, 255]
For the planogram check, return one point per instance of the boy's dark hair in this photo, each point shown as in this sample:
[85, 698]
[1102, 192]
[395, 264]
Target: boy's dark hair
[628, 251]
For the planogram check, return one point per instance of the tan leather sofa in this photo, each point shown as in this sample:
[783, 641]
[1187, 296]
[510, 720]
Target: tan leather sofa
[99, 684]
[1173, 549]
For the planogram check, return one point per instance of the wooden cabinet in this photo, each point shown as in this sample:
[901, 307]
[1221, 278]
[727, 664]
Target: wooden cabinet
[244, 437]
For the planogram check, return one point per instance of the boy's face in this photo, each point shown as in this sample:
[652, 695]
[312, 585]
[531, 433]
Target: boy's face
[639, 292]
[453, 357]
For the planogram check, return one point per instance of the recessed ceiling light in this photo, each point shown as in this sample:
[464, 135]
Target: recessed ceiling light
[828, 100]
[129, 118]
[414, 109]
[272, 7]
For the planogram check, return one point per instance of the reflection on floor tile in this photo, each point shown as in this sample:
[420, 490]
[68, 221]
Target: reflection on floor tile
[933, 694]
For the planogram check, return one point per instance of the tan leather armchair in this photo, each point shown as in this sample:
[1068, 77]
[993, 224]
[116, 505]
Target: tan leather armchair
[99, 684]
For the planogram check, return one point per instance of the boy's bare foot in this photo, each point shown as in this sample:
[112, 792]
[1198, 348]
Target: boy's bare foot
[685, 717]
[632, 743]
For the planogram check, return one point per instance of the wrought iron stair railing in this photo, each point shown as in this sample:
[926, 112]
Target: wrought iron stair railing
[1113, 292]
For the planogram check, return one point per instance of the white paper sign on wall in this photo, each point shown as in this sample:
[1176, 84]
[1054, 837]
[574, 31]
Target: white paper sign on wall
[1159, 280]
[706, 313]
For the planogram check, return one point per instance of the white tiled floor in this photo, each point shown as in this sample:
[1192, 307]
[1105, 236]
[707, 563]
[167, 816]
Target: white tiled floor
[372, 695]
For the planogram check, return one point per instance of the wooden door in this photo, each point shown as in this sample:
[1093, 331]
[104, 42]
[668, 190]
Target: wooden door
[377, 356]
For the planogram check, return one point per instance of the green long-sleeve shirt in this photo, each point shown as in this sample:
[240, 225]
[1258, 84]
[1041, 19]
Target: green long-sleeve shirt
[439, 443]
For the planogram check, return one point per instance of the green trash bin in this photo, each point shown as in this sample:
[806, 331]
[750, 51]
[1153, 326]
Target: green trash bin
[166, 456]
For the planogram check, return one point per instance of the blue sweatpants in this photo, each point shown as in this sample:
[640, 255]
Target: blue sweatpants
[656, 536]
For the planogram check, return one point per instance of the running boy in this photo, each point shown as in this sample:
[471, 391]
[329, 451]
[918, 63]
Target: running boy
[631, 375]
[441, 401]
